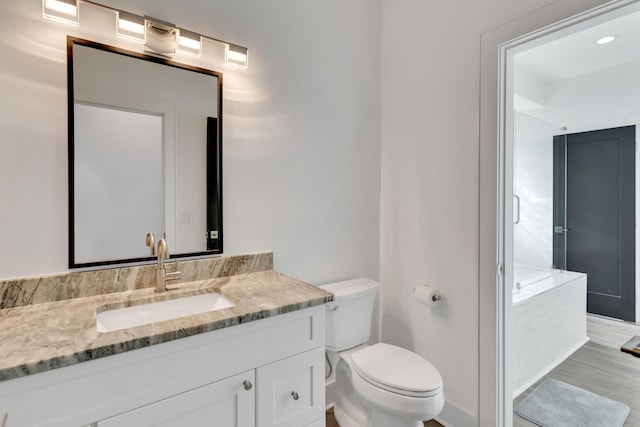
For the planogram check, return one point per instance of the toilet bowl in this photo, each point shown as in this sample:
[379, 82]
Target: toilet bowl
[377, 385]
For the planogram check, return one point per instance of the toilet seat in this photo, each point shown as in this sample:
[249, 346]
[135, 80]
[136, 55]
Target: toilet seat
[397, 370]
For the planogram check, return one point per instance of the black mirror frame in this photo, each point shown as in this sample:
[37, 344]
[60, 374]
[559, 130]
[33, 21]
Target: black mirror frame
[214, 237]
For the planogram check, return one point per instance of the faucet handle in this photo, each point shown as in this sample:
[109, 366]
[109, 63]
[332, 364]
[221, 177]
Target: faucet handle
[175, 274]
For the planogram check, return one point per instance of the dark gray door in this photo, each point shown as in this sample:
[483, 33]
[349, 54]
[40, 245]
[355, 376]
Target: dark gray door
[597, 171]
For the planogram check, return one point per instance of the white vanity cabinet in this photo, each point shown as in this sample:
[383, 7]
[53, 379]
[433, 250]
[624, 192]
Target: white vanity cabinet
[267, 372]
[291, 391]
[226, 403]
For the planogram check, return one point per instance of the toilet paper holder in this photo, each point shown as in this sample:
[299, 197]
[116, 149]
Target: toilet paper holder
[428, 296]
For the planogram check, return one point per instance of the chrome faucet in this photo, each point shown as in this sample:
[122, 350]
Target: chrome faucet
[161, 274]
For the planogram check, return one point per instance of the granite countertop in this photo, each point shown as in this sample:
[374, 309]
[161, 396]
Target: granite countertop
[40, 337]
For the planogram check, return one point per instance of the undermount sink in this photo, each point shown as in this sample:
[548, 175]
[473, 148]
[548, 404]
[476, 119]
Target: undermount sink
[128, 317]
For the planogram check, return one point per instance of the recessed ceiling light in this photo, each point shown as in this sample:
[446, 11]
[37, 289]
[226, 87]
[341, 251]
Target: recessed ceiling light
[605, 40]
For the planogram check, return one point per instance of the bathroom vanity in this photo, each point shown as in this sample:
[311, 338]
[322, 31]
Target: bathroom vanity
[257, 363]
[145, 133]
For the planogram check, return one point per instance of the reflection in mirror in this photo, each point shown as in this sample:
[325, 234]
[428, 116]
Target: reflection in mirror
[144, 155]
[132, 141]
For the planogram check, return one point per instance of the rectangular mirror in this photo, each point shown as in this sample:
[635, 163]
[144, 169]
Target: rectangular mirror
[145, 154]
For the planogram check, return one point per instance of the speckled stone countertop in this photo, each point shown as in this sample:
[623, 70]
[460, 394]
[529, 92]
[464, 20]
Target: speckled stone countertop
[40, 337]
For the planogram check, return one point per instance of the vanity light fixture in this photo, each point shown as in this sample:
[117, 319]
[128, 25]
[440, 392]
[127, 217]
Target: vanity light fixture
[237, 56]
[61, 10]
[130, 26]
[605, 40]
[161, 37]
[189, 42]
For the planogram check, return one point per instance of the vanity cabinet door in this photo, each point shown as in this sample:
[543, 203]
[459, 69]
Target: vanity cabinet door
[291, 391]
[226, 403]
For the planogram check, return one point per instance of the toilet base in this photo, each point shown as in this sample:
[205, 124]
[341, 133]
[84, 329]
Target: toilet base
[348, 409]
[345, 418]
[383, 419]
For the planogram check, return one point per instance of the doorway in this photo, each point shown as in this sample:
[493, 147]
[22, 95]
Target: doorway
[594, 216]
[536, 94]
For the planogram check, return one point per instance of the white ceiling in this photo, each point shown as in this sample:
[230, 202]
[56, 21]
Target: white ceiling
[578, 53]
[573, 82]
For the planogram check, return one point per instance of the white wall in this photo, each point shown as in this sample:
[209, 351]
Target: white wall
[301, 131]
[438, 216]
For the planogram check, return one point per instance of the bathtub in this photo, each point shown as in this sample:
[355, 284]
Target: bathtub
[524, 276]
[529, 281]
[548, 322]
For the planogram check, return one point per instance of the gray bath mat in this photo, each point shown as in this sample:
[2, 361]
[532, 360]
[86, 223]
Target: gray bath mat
[554, 403]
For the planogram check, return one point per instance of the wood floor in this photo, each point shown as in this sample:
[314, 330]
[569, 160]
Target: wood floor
[600, 367]
[331, 421]
[611, 333]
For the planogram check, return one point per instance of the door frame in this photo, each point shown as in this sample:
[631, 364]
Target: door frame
[505, 163]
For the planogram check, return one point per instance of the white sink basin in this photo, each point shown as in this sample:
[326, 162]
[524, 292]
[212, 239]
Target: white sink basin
[128, 317]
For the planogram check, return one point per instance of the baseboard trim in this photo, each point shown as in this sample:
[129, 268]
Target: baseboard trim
[454, 416]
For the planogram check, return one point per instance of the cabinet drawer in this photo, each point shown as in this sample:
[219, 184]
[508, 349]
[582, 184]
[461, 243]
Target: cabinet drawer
[225, 403]
[290, 392]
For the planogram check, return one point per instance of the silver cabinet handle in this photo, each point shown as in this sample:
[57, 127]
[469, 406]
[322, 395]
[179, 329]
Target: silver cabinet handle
[517, 215]
[247, 385]
[295, 395]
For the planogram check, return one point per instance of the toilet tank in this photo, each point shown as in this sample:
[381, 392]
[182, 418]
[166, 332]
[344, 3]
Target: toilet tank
[349, 314]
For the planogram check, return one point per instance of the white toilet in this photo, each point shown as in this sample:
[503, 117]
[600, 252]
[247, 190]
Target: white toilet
[377, 385]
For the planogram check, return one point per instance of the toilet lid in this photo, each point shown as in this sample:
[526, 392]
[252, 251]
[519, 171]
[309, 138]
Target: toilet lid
[396, 369]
